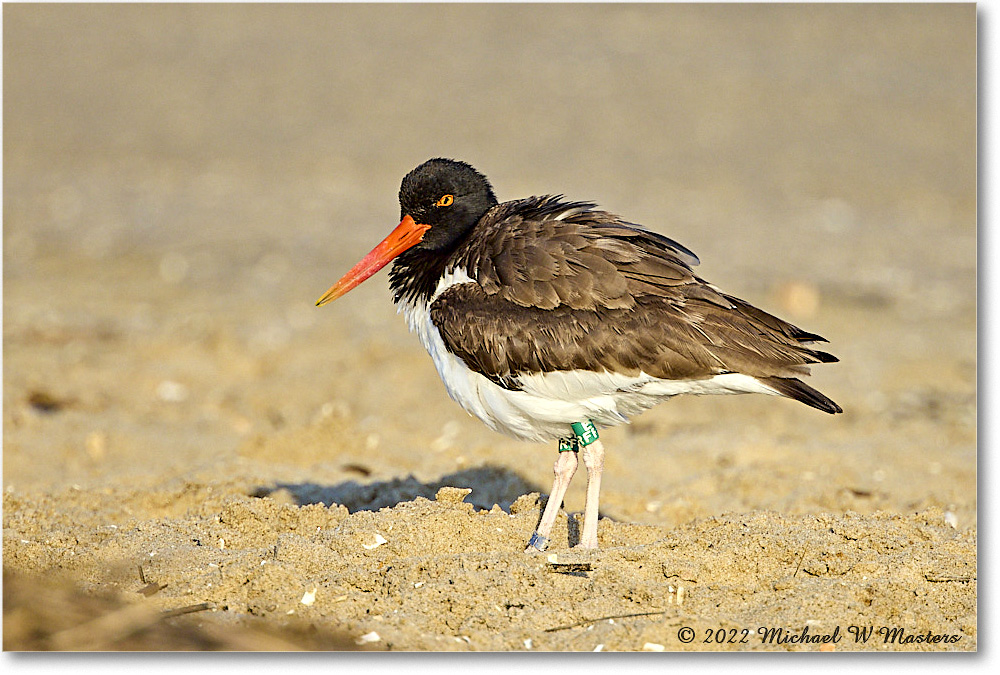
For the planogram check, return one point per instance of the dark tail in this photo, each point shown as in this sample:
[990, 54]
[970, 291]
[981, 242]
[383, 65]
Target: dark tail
[800, 391]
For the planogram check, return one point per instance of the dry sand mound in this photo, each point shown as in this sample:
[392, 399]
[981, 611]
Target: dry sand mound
[444, 575]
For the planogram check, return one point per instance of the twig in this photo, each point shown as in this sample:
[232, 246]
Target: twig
[189, 609]
[603, 618]
[944, 578]
[569, 568]
[798, 565]
[105, 630]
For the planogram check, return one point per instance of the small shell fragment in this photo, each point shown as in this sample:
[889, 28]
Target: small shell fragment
[379, 540]
[368, 637]
[309, 597]
[652, 647]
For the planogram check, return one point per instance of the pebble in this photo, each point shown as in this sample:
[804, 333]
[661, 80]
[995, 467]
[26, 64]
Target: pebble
[172, 392]
[96, 445]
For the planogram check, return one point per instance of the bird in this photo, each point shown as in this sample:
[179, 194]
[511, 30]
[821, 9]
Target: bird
[549, 319]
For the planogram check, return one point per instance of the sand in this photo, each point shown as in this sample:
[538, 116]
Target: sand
[195, 457]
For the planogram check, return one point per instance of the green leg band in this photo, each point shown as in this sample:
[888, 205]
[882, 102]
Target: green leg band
[586, 432]
[568, 444]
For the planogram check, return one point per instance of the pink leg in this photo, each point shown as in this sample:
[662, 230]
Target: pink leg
[593, 459]
[564, 469]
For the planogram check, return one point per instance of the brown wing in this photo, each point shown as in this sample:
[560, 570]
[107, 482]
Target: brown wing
[562, 286]
[542, 252]
[502, 340]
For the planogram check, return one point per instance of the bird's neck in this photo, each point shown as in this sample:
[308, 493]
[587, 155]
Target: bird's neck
[415, 274]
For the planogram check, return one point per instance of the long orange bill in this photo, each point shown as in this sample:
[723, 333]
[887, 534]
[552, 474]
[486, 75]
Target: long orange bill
[407, 235]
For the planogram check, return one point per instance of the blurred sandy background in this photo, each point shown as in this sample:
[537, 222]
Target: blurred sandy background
[181, 182]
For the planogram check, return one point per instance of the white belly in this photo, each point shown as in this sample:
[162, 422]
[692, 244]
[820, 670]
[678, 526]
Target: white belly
[548, 403]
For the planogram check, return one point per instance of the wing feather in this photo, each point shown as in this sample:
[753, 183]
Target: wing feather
[558, 286]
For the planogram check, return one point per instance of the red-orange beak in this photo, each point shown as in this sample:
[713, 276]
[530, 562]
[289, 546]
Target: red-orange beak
[407, 235]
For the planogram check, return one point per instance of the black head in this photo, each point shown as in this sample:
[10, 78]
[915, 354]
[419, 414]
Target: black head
[448, 195]
[441, 200]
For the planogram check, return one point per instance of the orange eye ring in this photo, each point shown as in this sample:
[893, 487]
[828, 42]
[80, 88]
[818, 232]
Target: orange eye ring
[447, 200]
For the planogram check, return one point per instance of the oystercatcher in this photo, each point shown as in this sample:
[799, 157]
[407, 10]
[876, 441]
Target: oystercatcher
[548, 318]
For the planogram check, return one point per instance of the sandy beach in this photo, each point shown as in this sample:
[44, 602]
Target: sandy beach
[196, 457]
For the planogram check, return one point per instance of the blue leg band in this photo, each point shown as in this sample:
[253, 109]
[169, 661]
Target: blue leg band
[538, 541]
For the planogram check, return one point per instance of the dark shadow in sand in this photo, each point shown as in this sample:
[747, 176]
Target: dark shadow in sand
[490, 485]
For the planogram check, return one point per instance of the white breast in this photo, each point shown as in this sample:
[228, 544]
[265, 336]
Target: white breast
[548, 403]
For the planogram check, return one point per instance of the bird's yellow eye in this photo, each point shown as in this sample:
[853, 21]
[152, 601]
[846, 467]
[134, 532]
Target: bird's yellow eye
[447, 200]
